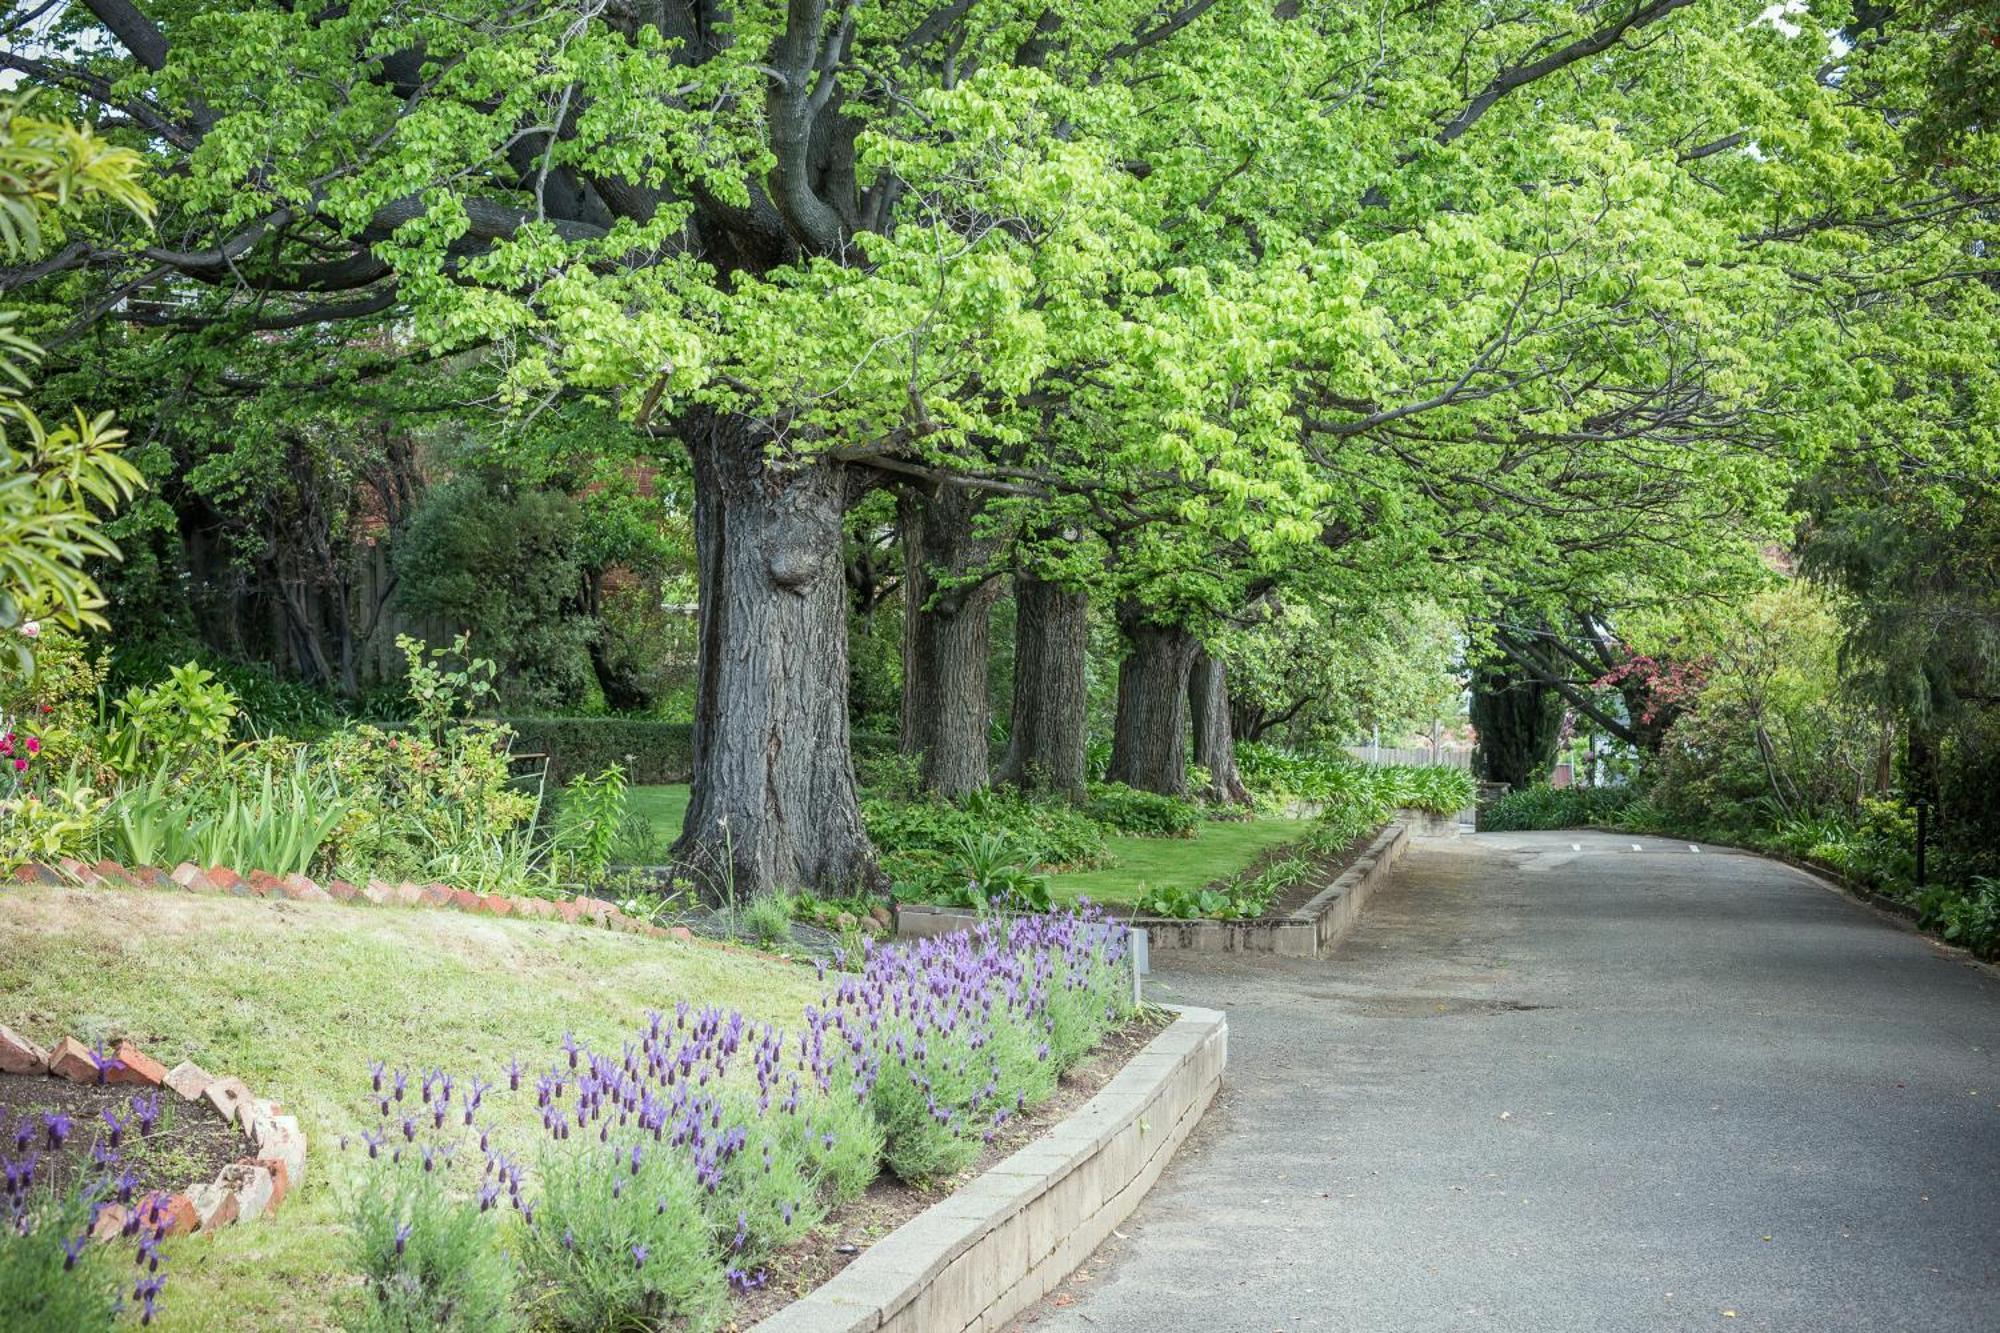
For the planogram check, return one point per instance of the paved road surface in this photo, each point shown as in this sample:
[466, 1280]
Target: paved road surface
[1557, 1083]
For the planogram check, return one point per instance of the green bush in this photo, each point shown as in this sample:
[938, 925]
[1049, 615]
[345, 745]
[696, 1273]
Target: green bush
[922, 842]
[1128, 810]
[1967, 918]
[1436, 788]
[429, 1261]
[1545, 807]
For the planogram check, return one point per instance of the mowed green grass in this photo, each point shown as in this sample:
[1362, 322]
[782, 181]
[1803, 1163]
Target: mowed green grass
[296, 999]
[663, 807]
[1220, 849]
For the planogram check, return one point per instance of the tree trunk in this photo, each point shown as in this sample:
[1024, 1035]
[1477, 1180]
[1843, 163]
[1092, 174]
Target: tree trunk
[1149, 739]
[1214, 743]
[1050, 718]
[774, 803]
[946, 716]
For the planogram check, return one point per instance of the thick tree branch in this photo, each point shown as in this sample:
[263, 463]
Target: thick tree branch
[1520, 76]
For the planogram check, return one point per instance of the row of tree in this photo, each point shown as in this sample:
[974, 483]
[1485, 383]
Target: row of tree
[1205, 310]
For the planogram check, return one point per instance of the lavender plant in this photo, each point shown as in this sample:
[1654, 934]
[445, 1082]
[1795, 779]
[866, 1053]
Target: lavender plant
[669, 1171]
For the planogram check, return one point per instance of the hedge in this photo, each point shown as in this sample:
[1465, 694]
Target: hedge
[650, 751]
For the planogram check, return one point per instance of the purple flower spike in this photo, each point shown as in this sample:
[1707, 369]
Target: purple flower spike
[402, 1237]
[513, 1074]
[375, 1068]
[116, 1125]
[73, 1250]
[58, 1126]
[639, 1253]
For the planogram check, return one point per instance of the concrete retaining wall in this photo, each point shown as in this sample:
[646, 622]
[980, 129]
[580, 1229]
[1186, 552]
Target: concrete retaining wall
[1307, 933]
[1430, 824]
[979, 1257]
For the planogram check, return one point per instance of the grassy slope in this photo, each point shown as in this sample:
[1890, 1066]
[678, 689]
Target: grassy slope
[296, 999]
[1221, 848]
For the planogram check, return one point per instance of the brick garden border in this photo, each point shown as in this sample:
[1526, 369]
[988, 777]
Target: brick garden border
[190, 878]
[1308, 932]
[980, 1256]
[251, 1187]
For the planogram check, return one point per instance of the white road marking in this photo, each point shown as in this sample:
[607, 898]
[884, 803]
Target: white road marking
[1637, 848]
[1693, 848]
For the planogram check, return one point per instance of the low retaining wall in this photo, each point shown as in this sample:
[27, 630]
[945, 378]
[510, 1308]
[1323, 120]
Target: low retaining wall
[977, 1258]
[1310, 931]
[1430, 824]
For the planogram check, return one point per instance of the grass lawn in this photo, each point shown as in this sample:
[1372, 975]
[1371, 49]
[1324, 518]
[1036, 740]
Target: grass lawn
[297, 999]
[1221, 848]
[663, 808]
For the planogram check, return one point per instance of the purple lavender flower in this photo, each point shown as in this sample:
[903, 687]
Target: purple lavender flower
[58, 1126]
[402, 1237]
[639, 1253]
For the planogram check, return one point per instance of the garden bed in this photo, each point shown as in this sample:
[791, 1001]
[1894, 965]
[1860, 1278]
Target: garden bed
[888, 1203]
[1310, 918]
[977, 1258]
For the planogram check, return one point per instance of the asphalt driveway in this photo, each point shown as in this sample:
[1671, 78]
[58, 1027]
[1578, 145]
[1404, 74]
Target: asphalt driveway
[1559, 1082]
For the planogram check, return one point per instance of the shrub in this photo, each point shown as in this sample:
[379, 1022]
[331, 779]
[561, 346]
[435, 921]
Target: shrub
[923, 843]
[183, 719]
[623, 1239]
[1545, 807]
[1967, 918]
[1437, 788]
[589, 823]
[1128, 810]
[430, 1260]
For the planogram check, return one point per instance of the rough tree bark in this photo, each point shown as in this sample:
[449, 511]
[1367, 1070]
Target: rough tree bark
[774, 799]
[1050, 719]
[946, 716]
[1149, 739]
[1214, 742]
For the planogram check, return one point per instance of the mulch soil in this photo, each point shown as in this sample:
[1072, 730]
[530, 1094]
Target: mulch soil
[189, 1144]
[889, 1203]
[1326, 868]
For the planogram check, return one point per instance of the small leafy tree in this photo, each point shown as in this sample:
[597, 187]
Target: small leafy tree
[55, 485]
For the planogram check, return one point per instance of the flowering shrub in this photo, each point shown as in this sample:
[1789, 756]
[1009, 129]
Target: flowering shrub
[412, 795]
[669, 1171]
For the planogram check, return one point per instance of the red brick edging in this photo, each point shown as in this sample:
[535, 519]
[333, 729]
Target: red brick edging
[252, 1186]
[190, 878]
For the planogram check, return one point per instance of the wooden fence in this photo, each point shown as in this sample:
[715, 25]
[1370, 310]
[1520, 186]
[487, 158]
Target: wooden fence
[1416, 755]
